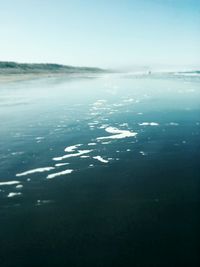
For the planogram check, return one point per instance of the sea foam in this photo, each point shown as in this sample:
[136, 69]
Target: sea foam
[117, 134]
[9, 183]
[149, 124]
[99, 158]
[72, 148]
[80, 152]
[53, 175]
[44, 169]
[12, 194]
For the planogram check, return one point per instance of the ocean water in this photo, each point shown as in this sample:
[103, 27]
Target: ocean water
[100, 171]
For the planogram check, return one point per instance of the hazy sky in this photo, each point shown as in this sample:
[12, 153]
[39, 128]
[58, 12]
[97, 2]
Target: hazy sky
[107, 33]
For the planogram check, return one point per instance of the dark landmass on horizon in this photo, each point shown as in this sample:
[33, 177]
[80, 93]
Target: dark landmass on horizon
[12, 71]
[7, 67]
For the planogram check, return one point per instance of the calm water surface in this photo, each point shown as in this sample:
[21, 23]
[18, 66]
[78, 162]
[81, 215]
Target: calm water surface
[100, 172]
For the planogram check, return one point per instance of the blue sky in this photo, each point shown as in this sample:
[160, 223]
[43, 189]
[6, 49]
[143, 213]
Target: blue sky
[106, 33]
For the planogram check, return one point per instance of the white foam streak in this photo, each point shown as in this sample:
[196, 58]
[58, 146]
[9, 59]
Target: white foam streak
[173, 124]
[12, 194]
[9, 183]
[72, 148]
[91, 144]
[117, 134]
[44, 169]
[61, 164]
[53, 175]
[128, 100]
[149, 124]
[99, 158]
[80, 152]
[19, 186]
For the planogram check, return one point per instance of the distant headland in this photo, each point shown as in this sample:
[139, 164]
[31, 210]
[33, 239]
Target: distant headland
[10, 71]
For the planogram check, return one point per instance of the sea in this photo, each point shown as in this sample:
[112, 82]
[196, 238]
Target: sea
[100, 171]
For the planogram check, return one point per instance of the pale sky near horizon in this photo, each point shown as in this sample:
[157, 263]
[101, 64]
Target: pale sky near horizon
[104, 33]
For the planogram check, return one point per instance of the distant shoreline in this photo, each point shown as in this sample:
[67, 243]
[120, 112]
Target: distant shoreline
[7, 78]
[12, 71]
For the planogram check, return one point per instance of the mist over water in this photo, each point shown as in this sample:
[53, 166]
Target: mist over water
[100, 171]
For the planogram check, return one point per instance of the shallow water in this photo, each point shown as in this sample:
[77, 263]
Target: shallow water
[100, 172]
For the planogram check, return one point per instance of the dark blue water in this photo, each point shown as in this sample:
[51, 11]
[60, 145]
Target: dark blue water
[127, 195]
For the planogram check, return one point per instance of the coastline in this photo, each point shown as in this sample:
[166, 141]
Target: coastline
[9, 78]
[12, 71]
